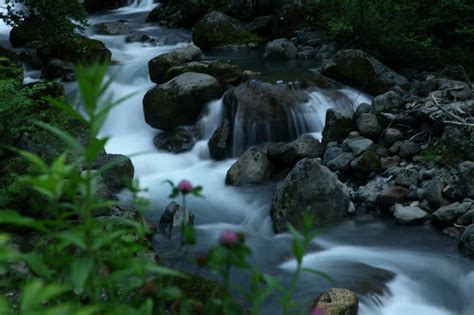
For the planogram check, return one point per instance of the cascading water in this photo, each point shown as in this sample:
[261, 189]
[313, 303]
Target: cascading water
[395, 270]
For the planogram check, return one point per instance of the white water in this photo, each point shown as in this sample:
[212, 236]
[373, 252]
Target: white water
[430, 278]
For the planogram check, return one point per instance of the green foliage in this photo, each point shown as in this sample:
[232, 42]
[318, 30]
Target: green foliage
[49, 20]
[403, 31]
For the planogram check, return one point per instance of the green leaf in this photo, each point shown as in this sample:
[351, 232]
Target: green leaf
[4, 307]
[35, 293]
[67, 138]
[81, 268]
[164, 271]
[95, 148]
[72, 238]
[106, 239]
[67, 108]
[12, 217]
[298, 250]
[37, 264]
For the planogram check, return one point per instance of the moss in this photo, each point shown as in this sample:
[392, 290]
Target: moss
[11, 70]
[199, 288]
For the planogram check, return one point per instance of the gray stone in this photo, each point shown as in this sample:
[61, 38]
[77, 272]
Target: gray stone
[407, 177]
[448, 214]
[466, 178]
[408, 149]
[357, 145]
[305, 146]
[112, 28]
[391, 136]
[309, 187]
[175, 141]
[341, 163]
[436, 186]
[390, 102]
[338, 125]
[179, 101]
[366, 163]
[337, 302]
[389, 162]
[466, 243]
[410, 215]
[174, 216]
[280, 49]
[390, 196]
[253, 167]
[368, 125]
[467, 218]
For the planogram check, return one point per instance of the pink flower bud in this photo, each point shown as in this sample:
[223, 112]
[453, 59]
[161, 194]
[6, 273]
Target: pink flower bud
[229, 239]
[185, 186]
[317, 311]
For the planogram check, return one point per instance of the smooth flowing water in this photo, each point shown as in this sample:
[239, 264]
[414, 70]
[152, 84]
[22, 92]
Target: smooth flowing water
[395, 270]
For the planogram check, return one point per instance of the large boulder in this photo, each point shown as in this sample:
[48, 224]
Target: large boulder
[179, 101]
[309, 187]
[159, 65]
[256, 113]
[359, 69]
[305, 146]
[281, 49]
[175, 141]
[466, 243]
[226, 72]
[446, 215]
[217, 29]
[338, 124]
[112, 28]
[253, 167]
[336, 302]
[368, 125]
[119, 175]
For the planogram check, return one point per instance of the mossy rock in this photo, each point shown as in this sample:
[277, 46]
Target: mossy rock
[217, 29]
[198, 288]
[11, 70]
[226, 72]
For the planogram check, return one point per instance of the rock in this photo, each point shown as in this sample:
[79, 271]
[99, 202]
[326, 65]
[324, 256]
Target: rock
[281, 49]
[341, 163]
[226, 72]
[466, 243]
[338, 125]
[408, 177]
[304, 147]
[366, 163]
[58, 69]
[175, 141]
[217, 29]
[258, 113]
[467, 218]
[446, 215]
[262, 25]
[174, 216]
[466, 178]
[157, 14]
[309, 187]
[337, 302]
[363, 108]
[112, 28]
[459, 140]
[332, 152]
[158, 66]
[408, 149]
[119, 175]
[389, 162]
[306, 53]
[139, 37]
[357, 68]
[179, 101]
[390, 102]
[388, 197]
[410, 215]
[220, 142]
[357, 145]
[368, 125]
[392, 135]
[253, 167]
[368, 194]
[436, 186]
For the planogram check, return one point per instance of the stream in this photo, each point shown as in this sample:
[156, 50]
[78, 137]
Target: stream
[395, 270]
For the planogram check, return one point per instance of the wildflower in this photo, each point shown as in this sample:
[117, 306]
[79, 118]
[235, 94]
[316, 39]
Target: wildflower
[185, 186]
[230, 238]
[317, 311]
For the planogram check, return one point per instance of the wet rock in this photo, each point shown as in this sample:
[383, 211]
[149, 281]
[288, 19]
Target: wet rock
[357, 68]
[253, 167]
[58, 69]
[174, 216]
[357, 145]
[466, 178]
[304, 147]
[466, 243]
[158, 66]
[410, 215]
[119, 175]
[363, 108]
[175, 141]
[467, 218]
[366, 163]
[219, 144]
[332, 151]
[392, 135]
[390, 196]
[409, 149]
[309, 187]
[389, 162]
[448, 214]
[217, 29]
[226, 72]
[337, 302]
[368, 194]
[390, 102]
[341, 163]
[368, 125]
[138, 37]
[157, 14]
[179, 101]
[408, 177]
[281, 49]
[434, 190]
[338, 125]
[112, 28]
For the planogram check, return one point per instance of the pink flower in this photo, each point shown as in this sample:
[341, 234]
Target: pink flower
[317, 311]
[229, 238]
[185, 186]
